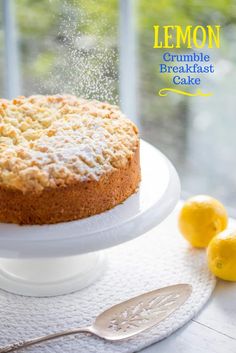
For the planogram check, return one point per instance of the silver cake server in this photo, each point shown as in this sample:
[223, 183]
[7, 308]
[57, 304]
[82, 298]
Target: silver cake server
[126, 319]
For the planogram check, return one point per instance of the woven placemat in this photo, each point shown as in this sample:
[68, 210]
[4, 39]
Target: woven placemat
[159, 258]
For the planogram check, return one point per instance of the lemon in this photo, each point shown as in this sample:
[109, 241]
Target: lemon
[201, 218]
[221, 255]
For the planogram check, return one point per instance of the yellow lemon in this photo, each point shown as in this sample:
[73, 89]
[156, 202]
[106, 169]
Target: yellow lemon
[221, 255]
[201, 218]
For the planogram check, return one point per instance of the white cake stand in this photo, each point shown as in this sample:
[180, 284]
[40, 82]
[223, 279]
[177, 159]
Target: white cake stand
[57, 259]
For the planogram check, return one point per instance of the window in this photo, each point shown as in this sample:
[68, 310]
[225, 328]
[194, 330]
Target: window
[73, 46]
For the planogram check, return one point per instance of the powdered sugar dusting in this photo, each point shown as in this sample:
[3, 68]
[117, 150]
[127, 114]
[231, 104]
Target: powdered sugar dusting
[86, 61]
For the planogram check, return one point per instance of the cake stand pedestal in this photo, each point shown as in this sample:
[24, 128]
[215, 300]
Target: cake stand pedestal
[42, 277]
[61, 258]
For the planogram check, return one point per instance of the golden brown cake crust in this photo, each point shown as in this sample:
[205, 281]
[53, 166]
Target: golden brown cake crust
[76, 201]
[64, 158]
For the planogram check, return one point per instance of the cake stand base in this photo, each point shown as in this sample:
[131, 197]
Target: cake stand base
[43, 277]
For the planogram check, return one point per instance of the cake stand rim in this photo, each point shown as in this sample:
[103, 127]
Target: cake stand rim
[108, 237]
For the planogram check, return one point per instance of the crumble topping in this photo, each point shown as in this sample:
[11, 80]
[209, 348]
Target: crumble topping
[49, 141]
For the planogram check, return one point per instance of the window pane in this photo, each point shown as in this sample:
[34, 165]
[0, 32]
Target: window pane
[197, 133]
[69, 46]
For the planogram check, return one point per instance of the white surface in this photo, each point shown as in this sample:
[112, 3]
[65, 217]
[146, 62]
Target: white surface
[51, 276]
[157, 259]
[212, 330]
[158, 193]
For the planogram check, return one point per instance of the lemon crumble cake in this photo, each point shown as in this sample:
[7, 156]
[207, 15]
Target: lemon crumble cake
[64, 158]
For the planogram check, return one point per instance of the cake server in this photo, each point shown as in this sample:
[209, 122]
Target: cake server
[126, 319]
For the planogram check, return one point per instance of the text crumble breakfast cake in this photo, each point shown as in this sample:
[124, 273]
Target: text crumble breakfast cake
[64, 158]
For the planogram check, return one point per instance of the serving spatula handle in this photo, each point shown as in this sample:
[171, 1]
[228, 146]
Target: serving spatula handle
[23, 344]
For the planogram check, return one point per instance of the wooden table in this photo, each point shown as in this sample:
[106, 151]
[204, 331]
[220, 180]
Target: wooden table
[211, 331]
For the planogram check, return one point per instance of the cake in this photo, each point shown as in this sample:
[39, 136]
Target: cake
[63, 158]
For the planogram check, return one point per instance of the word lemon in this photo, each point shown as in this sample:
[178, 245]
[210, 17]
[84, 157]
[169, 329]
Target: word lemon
[221, 255]
[201, 218]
